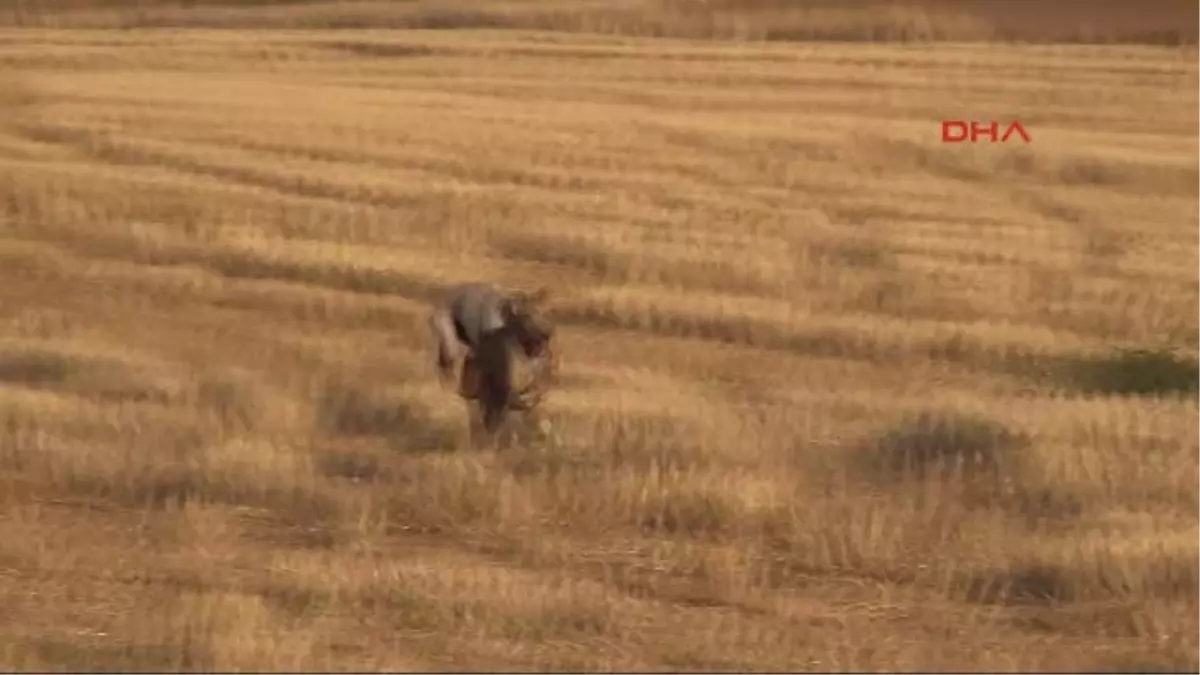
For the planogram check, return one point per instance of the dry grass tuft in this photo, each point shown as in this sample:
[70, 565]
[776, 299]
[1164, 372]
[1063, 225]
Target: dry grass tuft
[834, 396]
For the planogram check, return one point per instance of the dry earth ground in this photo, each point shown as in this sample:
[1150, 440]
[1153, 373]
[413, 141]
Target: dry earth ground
[834, 396]
[1171, 22]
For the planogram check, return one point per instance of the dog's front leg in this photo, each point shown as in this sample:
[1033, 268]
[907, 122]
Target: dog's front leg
[448, 351]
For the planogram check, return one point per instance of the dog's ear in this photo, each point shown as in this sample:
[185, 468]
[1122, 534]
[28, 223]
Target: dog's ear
[516, 305]
[510, 307]
[525, 299]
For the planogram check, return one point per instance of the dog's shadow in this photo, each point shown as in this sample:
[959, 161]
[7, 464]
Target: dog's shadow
[351, 411]
[520, 428]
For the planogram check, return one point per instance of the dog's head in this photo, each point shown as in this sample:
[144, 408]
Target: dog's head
[525, 318]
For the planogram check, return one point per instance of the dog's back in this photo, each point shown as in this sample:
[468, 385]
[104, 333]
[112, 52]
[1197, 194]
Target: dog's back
[476, 310]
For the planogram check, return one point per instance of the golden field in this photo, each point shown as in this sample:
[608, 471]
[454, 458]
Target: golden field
[834, 395]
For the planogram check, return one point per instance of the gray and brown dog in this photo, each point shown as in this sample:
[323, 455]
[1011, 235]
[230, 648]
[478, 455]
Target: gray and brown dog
[476, 328]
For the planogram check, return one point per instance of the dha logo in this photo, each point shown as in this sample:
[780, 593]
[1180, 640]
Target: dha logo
[959, 131]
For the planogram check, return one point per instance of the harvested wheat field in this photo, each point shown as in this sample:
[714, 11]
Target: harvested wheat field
[834, 395]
